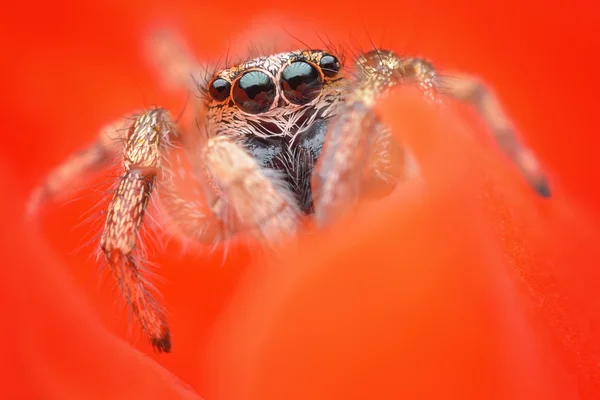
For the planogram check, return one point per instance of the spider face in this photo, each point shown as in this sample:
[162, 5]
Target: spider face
[278, 107]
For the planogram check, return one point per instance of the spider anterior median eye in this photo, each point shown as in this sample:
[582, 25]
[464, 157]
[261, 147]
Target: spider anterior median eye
[301, 82]
[219, 89]
[329, 65]
[254, 92]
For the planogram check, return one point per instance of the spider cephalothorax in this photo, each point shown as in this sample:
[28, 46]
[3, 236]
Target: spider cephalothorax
[278, 107]
[285, 135]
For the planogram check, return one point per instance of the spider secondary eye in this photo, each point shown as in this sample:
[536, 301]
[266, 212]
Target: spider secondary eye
[219, 89]
[301, 82]
[329, 65]
[254, 92]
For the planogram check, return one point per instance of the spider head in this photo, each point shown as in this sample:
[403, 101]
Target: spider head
[277, 96]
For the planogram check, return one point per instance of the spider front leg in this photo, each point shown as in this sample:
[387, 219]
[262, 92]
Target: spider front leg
[354, 139]
[147, 139]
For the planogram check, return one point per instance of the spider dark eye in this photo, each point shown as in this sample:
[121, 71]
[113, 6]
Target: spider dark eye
[329, 65]
[254, 92]
[301, 82]
[219, 89]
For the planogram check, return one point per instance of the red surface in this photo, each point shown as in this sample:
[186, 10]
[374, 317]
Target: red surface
[468, 288]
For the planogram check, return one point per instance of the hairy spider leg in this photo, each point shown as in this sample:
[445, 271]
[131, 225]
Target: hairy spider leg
[353, 136]
[146, 144]
[66, 177]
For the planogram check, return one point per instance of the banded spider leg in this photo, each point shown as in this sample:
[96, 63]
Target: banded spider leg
[356, 137]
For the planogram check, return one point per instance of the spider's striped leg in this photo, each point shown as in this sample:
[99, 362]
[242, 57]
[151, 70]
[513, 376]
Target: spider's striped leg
[354, 144]
[142, 138]
[471, 91]
[70, 173]
[246, 197]
[146, 144]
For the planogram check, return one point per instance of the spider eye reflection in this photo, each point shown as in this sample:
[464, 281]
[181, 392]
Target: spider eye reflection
[301, 82]
[254, 92]
[219, 89]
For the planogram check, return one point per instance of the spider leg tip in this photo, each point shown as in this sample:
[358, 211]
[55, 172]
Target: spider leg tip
[162, 344]
[542, 188]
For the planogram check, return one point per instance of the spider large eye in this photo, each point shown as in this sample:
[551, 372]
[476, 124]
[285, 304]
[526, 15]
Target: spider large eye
[301, 82]
[329, 65]
[219, 89]
[254, 92]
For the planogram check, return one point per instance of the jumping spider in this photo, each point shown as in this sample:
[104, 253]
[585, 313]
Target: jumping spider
[284, 136]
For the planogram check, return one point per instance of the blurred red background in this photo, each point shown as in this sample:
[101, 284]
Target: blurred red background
[469, 288]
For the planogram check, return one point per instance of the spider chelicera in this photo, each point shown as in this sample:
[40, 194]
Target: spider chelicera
[280, 137]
